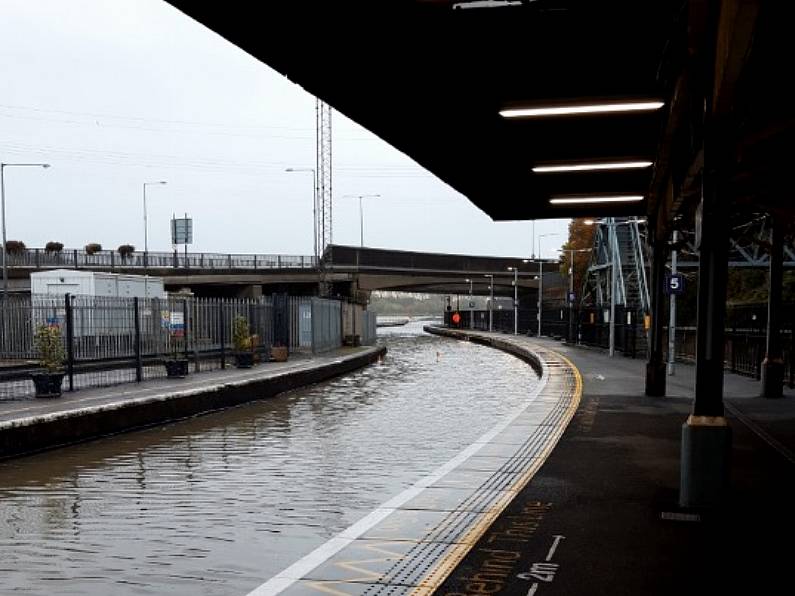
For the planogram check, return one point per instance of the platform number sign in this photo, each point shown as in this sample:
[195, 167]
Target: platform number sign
[674, 284]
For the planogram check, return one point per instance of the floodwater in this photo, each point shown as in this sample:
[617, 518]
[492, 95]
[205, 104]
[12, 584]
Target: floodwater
[220, 503]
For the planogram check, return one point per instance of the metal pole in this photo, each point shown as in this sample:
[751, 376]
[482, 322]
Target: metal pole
[361, 224]
[491, 304]
[70, 341]
[516, 300]
[314, 211]
[672, 315]
[611, 235]
[3, 212]
[571, 294]
[138, 358]
[540, 291]
[471, 307]
[146, 249]
[3, 215]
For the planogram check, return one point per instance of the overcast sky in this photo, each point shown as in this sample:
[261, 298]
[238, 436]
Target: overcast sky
[114, 94]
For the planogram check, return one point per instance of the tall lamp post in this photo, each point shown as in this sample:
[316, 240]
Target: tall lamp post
[3, 166]
[516, 297]
[146, 239]
[471, 305]
[541, 279]
[314, 204]
[361, 213]
[491, 301]
[570, 300]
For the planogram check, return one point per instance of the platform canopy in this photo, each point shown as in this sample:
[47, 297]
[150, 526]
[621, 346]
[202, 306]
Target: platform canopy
[446, 82]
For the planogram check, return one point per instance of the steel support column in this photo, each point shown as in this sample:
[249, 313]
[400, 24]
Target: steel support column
[706, 436]
[773, 365]
[655, 367]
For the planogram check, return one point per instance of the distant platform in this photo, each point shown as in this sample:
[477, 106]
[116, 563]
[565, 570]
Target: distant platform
[392, 322]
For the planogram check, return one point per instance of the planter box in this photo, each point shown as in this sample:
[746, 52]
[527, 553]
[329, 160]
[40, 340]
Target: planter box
[244, 359]
[279, 353]
[48, 384]
[176, 369]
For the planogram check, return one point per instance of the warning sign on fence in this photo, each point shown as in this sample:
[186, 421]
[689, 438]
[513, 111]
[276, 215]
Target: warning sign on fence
[177, 323]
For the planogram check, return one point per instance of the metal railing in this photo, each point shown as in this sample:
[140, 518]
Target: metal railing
[112, 260]
[108, 341]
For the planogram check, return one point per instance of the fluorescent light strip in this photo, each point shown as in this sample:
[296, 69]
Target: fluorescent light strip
[586, 109]
[587, 167]
[584, 200]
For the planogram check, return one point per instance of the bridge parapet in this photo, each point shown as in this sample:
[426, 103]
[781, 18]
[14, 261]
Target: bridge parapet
[111, 260]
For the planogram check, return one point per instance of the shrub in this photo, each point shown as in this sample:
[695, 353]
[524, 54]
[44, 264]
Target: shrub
[93, 247]
[50, 347]
[241, 338]
[125, 250]
[53, 247]
[15, 247]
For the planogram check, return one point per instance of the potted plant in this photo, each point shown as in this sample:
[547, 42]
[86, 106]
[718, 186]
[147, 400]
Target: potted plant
[125, 250]
[242, 342]
[51, 357]
[53, 247]
[15, 247]
[93, 248]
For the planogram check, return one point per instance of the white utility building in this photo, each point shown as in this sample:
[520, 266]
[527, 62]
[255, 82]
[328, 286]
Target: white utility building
[59, 282]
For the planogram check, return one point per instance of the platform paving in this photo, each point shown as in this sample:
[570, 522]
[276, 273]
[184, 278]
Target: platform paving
[601, 514]
[87, 413]
[577, 494]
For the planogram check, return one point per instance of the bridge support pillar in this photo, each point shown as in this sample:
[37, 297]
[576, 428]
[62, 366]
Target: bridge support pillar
[655, 367]
[773, 364]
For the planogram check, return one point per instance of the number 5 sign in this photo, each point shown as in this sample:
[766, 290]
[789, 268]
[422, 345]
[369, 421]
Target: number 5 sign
[674, 284]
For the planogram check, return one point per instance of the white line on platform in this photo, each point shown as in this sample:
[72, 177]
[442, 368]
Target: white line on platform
[323, 553]
[552, 550]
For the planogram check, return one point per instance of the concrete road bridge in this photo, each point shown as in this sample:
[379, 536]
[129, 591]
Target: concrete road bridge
[351, 269]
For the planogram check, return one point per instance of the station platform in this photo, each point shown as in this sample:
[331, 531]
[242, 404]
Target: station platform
[30, 424]
[576, 494]
[609, 492]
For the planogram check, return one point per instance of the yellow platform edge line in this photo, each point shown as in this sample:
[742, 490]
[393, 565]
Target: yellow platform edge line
[434, 578]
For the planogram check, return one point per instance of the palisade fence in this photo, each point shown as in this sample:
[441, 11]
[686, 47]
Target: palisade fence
[117, 340]
[326, 324]
[369, 328]
[745, 335]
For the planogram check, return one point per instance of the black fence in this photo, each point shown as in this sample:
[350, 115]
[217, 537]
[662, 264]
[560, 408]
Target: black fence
[745, 338]
[109, 340]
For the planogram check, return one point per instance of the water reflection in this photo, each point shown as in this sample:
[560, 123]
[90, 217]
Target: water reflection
[219, 503]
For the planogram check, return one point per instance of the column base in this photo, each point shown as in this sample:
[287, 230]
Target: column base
[705, 462]
[655, 379]
[772, 377]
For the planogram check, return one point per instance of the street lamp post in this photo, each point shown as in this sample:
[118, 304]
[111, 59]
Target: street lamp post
[471, 306]
[672, 314]
[541, 279]
[146, 239]
[314, 204]
[361, 213]
[515, 299]
[571, 252]
[3, 166]
[491, 301]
